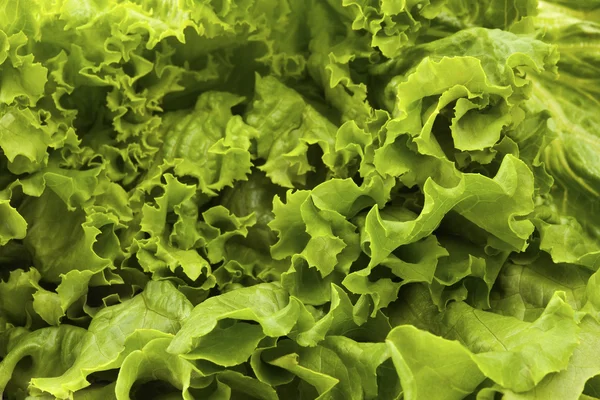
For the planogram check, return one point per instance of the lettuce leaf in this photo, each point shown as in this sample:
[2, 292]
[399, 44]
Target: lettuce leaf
[299, 199]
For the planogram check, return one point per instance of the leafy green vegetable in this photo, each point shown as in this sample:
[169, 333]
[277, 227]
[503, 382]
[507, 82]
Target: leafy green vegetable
[299, 199]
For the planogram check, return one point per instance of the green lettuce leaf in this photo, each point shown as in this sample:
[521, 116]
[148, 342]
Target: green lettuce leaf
[299, 199]
[430, 366]
[160, 307]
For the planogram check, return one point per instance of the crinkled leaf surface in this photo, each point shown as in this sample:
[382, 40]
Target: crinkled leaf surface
[299, 199]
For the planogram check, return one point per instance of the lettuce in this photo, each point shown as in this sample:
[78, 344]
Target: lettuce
[299, 199]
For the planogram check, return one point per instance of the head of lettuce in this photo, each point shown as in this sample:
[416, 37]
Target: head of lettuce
[300, 199]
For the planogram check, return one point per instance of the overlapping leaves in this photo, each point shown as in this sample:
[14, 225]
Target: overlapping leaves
[288, 199]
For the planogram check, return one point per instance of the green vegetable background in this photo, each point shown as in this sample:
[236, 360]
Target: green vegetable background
[300, 199]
